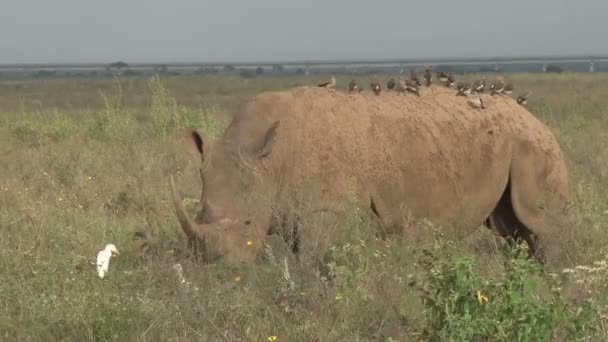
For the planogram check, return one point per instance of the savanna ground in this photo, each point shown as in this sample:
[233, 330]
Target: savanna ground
[85, 162]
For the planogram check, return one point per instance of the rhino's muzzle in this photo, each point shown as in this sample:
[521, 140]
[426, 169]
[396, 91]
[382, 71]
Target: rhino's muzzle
[204, 237]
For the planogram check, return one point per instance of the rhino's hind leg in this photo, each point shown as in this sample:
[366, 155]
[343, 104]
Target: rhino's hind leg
[307, 232]
[504, 221]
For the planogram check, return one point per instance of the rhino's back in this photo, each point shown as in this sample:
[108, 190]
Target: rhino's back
[433, 154]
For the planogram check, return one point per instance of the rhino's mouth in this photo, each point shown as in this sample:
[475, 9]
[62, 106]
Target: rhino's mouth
[200, 235]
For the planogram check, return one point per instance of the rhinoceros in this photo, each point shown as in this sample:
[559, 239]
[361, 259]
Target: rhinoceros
[431, 157]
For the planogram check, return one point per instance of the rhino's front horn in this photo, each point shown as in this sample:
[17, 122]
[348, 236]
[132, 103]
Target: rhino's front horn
[185, 221]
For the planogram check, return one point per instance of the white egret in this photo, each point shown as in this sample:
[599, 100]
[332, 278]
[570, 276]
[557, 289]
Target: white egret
[103, 259]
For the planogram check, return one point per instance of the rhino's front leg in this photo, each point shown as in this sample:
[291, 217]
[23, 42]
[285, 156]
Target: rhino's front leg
[314, 233]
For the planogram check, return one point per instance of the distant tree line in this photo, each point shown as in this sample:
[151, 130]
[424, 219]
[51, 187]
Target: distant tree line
[124, 69]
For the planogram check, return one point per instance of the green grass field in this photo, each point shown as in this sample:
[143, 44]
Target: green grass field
[84, 163]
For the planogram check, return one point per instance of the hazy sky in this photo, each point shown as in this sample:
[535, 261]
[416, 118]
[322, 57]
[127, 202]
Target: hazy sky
[238, 30]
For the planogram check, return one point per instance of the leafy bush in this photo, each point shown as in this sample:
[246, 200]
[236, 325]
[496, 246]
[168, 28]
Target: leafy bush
[462, 305]
[117, 122]
[36, 131]
[163, 107]
[167, 116]
[114, 121]
[25, 130]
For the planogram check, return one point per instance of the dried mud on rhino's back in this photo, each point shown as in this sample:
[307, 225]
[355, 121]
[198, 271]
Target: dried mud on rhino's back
[435, 149]
[363, 127]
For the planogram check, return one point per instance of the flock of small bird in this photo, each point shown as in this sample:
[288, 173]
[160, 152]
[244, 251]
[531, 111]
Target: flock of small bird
[413, 84]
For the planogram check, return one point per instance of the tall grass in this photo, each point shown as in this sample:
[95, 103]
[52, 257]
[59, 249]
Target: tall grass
[75, 177]
[161, 117]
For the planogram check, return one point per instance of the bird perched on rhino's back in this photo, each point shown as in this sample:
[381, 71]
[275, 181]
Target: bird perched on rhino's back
[427, 75]
[507, 89]
[353, 86]
[103, 259]
[401, 86]
[479, 86]
[460, 169]
[390, 85]
[331, 84]
[376, 87]
[497, 87]
[463, 89]
[450, 81]
[523, 99]
[447, 79]
[414, 78]
[443, 77]
[412, 87]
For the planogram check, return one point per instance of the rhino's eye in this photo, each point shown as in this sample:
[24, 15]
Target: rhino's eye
[248, 222]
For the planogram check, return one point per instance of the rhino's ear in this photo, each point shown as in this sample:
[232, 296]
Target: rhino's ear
[193, 142]
[269, 140]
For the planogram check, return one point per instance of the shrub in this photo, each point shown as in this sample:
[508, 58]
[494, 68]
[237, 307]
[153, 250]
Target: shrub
[462, 305]
[163, 107]
[39, 131]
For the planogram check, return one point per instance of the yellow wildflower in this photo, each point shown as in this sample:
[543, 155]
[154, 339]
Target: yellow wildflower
[338, 296]
[237, 279]
[481, 297]
[249, 243]
[272, 338]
